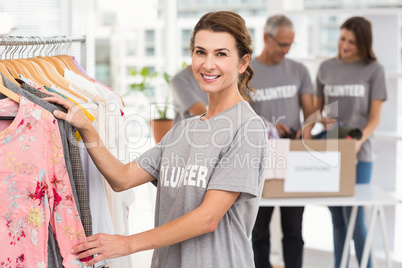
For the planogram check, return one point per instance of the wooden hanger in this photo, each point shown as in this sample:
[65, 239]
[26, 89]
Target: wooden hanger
[70, 63]
[51, 73]
[62, 54]
[58, 64]
[24, 70]
[5, 91]
[16, 67]
[10, 67]
[57, 42]
[60, 67]
[35, 73]
[41, 74]
[5, 71]
[68, 60]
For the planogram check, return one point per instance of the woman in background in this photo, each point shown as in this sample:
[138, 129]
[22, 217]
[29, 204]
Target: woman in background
[351, 89]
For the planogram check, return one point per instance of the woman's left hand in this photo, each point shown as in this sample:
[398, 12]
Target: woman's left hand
[104, 245]
[358, 145]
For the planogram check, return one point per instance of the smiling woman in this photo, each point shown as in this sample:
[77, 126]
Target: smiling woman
[206, 201]
[216, 66]
[229, 46]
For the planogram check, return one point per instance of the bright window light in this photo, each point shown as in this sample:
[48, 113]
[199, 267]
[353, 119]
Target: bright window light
[6, 23]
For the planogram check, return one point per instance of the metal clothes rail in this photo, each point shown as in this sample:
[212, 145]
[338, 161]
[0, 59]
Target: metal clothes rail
[17, 46]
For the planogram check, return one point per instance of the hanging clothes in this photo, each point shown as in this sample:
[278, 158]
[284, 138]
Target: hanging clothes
[35, 190]
[101, 217]
[70, 149]
[109, 123]
[54, 257]
[63, 75]
[74, 169]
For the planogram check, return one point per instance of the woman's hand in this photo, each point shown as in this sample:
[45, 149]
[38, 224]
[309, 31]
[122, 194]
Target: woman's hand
[328, 123]
[358, 145]
[74, 114]
[283, 130]
[304, 133]
[105, 246]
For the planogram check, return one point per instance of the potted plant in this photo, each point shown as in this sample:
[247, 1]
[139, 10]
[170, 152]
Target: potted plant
[148, 83]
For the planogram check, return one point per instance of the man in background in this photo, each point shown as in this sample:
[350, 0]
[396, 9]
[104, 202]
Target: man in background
[188, 97]
[283, 89]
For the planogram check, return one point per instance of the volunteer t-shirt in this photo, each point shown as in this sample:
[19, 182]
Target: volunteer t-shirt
[347, 89]
[186, 92]
[226, 152]
[278, 88]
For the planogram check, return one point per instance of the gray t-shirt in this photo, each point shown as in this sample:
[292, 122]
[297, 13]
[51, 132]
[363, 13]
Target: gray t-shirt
[186, 92]
[278, 89]
[347, 89]
[226, 152]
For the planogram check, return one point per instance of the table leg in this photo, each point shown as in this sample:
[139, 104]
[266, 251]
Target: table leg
[385, 236]
[349, 234]
[369, 237]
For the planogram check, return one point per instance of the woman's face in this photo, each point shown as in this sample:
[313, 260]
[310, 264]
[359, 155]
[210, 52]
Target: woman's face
[347, 46]
[216, 63]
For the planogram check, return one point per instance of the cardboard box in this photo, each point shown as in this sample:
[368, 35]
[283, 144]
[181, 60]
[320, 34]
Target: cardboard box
[344, 170]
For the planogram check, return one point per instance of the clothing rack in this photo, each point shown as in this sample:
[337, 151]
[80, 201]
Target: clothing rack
[17, 46]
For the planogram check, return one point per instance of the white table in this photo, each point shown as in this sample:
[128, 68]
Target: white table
[367, 195]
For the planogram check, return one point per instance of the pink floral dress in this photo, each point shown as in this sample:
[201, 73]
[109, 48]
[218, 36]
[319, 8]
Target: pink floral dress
[34, 190]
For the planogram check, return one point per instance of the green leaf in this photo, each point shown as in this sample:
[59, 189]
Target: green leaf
[138, 86]
[147, 87]
[133, 72]
[144, 71]
[167, 77]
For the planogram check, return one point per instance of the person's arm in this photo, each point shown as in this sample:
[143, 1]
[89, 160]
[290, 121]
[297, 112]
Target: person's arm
[372, 123]
[184, 88]
[328, 123]
[120, 176]
[204, 219]
[307, 104]
[283, 130]
[197, 109]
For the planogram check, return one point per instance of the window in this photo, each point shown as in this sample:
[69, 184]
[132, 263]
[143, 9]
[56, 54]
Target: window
[185, 42]
[151, 69]
[131, 47]
[150, 51]
[150, 43]
[54, 18]
[150, 36]
[109, 18]
[46, 17]
[102, 64]
[252, 33]
[184, 3]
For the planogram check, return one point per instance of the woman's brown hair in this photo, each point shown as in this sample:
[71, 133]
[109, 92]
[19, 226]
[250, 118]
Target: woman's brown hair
[234, 24]
[361, 28]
